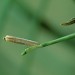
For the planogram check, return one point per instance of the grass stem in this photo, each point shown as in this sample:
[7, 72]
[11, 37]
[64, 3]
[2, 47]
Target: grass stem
[27, 50]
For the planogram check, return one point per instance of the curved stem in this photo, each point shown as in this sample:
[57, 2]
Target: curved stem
[27, 50]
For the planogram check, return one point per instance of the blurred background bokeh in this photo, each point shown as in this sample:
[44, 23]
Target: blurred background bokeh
[37, 20]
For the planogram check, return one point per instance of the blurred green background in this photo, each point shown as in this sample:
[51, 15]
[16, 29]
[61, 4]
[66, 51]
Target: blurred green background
[37, 20]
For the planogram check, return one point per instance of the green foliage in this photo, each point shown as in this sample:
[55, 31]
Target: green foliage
[37, 20]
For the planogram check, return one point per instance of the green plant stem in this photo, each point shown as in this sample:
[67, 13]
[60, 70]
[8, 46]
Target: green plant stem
[27, 50]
